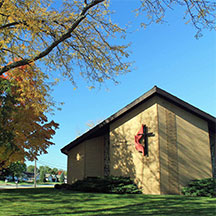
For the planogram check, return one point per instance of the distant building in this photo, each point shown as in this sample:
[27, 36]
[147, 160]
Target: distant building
[51, 178]
[48, 178]
[28, 176]
[158, 140]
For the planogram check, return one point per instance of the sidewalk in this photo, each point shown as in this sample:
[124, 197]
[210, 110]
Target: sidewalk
[19, 186]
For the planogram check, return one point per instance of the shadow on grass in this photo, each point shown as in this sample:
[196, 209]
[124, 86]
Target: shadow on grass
[57, 202]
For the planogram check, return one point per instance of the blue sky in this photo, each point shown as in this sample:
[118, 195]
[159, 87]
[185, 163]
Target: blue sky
[166, 55]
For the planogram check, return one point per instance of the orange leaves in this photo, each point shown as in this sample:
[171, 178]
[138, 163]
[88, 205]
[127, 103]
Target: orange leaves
[4, 76]
[25, 118]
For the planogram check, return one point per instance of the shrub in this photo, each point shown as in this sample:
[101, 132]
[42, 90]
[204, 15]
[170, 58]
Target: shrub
[203, 187]
[111, 184]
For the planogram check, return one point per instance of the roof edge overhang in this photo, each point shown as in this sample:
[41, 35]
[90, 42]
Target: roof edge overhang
[103, 127]
[93, 132]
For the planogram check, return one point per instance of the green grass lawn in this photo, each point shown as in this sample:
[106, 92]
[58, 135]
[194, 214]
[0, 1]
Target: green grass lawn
[44, 201]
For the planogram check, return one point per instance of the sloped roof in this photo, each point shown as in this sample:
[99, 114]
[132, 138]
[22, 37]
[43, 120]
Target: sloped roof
[102, 127]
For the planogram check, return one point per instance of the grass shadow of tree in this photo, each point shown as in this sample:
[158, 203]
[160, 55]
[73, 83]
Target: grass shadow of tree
[53, 202]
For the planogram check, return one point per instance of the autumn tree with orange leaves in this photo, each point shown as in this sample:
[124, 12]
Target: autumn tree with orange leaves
[25, 131]
[81, 33]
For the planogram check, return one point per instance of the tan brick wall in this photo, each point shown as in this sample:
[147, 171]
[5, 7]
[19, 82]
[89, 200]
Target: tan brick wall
[169, 166]
[76, 163]
[125, 160]
[179, 151]
[86, 159]
[192, 141]
[94, 163]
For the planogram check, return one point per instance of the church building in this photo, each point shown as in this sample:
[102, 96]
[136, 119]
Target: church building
[158, 140]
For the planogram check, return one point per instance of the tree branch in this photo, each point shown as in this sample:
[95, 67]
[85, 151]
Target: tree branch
[9, 25]
[65, 36]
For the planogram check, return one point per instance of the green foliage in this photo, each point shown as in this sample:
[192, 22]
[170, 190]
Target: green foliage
[54, 171]
[111, 184]
[42, 175]
[203, 187]
[30, 168]
[46, 169]
[15, 169]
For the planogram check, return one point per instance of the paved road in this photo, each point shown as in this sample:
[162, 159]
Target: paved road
[24, 186]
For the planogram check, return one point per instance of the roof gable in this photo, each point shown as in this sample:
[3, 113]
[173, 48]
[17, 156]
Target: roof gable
[103, 126]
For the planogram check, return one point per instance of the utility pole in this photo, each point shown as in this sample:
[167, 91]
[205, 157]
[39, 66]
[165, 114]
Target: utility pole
[35, 173]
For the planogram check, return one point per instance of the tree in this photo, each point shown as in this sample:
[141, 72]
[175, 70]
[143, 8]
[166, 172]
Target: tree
[25, 130]
[15, 169]
[79, 33]
[61, 179]
[201, 13]
[42, 175]
[30, 168]
[54, 171]
[46, 169]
